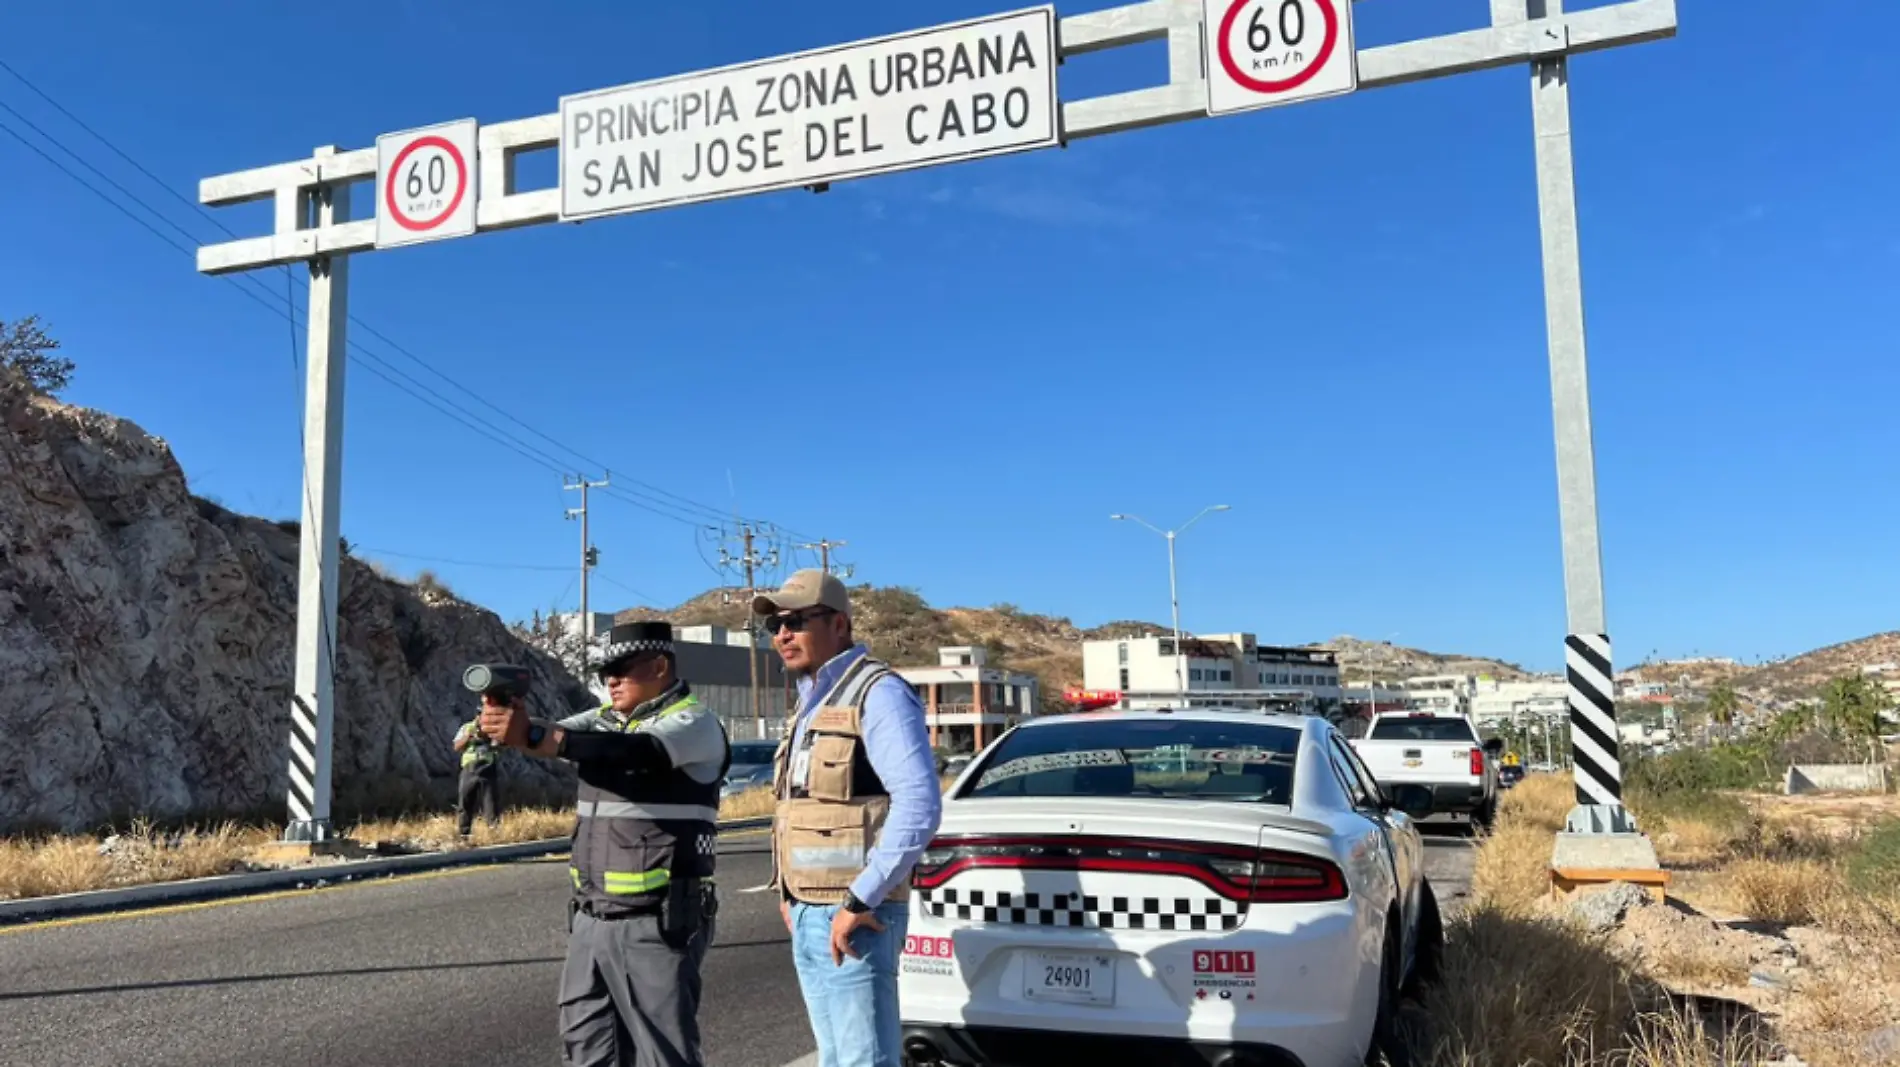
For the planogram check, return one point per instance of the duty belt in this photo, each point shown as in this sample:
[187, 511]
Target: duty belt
[635, 912]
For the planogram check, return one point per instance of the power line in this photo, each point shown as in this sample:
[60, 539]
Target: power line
[648, 597]
[649, 498]
[103, 176]
[101, 138]
[363, 357]
[654, 499]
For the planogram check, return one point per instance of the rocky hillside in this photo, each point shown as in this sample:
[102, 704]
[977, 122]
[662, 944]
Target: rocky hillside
[901, 627]
[1387, 662]
[146, 643]
[1801, 677]
[1696, 675]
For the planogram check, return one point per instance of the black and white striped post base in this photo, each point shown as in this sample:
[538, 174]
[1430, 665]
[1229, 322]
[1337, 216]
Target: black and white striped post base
[1593, 748]
[1592, 719]
[309, 821]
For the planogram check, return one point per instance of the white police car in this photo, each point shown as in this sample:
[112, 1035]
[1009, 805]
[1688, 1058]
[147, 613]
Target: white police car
[1199, 887]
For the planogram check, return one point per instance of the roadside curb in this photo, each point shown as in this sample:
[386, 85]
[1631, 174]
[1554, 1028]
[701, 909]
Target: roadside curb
[70, 905]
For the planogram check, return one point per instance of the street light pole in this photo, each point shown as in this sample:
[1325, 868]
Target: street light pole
[1174, 604]
[1174, 596]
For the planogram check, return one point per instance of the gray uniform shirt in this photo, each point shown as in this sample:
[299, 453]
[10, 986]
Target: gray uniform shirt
[693, 738]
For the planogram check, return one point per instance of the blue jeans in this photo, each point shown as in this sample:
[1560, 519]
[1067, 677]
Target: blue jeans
[853, 1006]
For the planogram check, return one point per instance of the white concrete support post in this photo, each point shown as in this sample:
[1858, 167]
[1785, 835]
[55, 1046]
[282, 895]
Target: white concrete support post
[1586, 644]
[313, 701]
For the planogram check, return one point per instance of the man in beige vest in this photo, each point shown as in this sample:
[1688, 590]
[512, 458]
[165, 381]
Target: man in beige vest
[858, 801]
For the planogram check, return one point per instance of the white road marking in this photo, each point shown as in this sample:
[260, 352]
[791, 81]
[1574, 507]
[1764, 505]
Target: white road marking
[809, 1059]
[757, 888]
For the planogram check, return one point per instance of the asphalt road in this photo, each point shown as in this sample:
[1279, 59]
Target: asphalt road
[458, 968]
[455, 968]
[1449, 851]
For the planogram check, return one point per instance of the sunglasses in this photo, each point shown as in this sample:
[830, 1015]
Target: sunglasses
[795, 621]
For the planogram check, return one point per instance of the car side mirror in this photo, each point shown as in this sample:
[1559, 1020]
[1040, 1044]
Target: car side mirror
[1494, 746]
[1413, 800]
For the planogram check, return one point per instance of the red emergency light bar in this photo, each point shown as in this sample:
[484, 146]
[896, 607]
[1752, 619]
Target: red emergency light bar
[1092, 699]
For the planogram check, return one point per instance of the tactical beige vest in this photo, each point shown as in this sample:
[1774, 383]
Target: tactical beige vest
[824, 827]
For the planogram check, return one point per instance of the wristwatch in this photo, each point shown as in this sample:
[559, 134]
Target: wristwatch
[536, 733]
[853, 905]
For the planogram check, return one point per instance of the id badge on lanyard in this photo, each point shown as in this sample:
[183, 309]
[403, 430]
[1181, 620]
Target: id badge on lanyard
[801, 756]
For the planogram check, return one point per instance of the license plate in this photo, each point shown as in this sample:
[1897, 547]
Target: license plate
[1069, 977]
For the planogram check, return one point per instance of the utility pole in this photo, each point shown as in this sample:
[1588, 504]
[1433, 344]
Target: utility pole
[589, 557]
[750, 560]
[824, 546]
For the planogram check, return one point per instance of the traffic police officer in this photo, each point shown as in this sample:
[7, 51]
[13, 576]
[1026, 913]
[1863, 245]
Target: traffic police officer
[640, 921]
[480, 786]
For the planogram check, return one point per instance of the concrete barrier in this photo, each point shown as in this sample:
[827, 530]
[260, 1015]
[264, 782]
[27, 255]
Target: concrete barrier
[1837, 778]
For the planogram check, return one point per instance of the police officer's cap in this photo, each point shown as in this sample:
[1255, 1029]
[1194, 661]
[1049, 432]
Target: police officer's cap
[629, 639]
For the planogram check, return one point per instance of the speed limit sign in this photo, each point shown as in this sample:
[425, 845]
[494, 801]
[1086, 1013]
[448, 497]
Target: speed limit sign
[425, 184]
[1261, 53]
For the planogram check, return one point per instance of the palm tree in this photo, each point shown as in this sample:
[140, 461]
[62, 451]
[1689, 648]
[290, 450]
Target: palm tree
[1851, 705]
[1722, 707]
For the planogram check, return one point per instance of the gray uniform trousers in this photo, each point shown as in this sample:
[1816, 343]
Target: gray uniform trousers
[628, 999]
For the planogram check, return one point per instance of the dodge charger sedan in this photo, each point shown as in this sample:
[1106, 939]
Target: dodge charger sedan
[1198, 887]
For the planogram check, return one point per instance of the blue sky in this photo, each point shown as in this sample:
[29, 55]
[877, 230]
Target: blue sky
[1327, 316]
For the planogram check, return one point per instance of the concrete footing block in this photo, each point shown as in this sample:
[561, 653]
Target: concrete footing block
[1581, 860]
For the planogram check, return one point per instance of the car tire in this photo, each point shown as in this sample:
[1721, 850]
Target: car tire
[1388, 1047]
[1429, 948]
[1485, 816]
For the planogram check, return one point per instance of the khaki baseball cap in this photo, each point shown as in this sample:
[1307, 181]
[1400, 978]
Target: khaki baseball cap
[805, 589]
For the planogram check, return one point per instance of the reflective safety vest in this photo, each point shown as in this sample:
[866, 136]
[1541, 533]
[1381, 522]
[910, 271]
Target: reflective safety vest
[480, 751]
[831, 804]
[638, 833]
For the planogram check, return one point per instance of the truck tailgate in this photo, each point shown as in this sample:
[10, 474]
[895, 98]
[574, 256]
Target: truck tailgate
[1417, 761]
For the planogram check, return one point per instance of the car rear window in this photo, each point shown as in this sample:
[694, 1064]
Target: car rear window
[1422, 729]
[1236, 761]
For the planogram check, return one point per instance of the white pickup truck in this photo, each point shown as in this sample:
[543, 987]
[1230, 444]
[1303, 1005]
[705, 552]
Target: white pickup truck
[1441, 752]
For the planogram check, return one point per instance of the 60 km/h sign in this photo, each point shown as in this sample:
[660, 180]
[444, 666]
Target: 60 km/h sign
[954, 92]
[1262, 53]
[425, 184]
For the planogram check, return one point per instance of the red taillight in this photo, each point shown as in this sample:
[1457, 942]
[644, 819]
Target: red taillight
[1477, 762]
[1260, 876]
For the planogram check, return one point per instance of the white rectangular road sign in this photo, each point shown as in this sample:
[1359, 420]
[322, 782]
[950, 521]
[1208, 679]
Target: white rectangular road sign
[939, 95]
[426, 183]
[1262, 53]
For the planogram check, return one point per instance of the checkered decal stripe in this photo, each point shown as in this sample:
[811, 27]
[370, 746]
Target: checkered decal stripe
[1077, 909]
[622, 649]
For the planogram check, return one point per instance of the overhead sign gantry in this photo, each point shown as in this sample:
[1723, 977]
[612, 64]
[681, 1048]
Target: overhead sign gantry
[930, 97]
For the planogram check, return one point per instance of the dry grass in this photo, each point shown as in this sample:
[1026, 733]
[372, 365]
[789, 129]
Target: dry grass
[1518, 990]
[1789, 892]
[1801, 865]
[1542, 801]
[37, 867]
[436, 832]
[751, 804]
[1512, 870]
[50, 866]
[75, 863]
[1521, 987]
[1696, 964]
